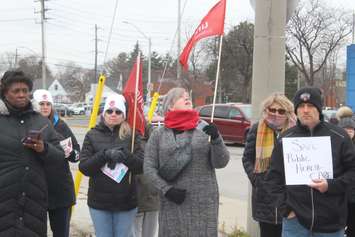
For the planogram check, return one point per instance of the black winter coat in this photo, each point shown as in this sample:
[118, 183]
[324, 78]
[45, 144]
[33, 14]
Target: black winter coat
[351, 191]
[147, 194]
[318, 212]
[23, 188]
[105, 193]
[264, 207]
[59, 178]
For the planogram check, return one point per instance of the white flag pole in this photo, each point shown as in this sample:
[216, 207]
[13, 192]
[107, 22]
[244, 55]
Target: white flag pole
[135, 108]
[135, 100]
[217, 77]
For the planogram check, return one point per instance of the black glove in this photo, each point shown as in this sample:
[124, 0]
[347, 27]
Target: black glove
[211, 130]
[176, 195]
[114, 156]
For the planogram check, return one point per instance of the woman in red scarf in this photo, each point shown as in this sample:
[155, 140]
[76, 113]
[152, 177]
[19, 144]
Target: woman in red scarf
[180, 160]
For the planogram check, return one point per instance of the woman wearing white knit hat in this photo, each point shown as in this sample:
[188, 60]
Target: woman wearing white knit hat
[59, 178]
[112, 203]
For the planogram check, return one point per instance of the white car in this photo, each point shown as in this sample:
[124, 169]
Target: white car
[77, 109]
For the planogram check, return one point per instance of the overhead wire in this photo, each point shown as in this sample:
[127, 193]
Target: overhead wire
[111, 29]
[170, 51]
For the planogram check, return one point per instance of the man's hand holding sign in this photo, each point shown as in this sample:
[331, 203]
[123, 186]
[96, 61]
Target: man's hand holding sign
[308, 160]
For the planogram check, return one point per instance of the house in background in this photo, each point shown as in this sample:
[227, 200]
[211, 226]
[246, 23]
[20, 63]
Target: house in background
[90, 96]
[58, 92]
[60, 96]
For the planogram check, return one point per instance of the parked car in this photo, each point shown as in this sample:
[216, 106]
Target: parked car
[78, 108]
[330, 116]
[232, 119]
[62, 110]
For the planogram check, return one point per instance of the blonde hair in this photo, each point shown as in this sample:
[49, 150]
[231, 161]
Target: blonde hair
[125, 130]
[284, 102]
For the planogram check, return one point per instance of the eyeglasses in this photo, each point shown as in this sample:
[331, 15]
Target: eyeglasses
[279, 111]
[110, 111]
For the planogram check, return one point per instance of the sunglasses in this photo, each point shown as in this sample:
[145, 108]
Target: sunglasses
[279, 111]
[110, 111]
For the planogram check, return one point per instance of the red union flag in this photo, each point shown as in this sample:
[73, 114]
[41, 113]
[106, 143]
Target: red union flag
[129, 93]
[211, 24]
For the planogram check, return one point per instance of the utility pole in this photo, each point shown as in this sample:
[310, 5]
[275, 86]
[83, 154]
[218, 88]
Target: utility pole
[43, 18]
[96, 53]
[178, 66]
[268, 64]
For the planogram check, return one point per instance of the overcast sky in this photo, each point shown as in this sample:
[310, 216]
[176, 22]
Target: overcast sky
[70, 27]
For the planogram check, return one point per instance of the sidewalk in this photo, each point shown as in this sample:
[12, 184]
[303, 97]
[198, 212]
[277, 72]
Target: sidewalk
[232, 213]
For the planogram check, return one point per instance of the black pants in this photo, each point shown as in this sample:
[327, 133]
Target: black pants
[350, 230]
[59, 219]
[270, 230]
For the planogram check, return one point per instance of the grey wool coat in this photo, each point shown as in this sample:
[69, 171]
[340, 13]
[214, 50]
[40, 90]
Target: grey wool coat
[197, 216]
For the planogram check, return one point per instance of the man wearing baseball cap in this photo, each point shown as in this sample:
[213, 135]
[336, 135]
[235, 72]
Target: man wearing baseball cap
[320, 208]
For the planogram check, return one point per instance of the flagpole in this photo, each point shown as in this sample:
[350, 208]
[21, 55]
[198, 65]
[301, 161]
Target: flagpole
[217, 77]
[135, 100]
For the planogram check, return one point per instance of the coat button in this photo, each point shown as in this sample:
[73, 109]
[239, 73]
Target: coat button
[27, 168]
[22, 121]
[23, 194]
[20, 218]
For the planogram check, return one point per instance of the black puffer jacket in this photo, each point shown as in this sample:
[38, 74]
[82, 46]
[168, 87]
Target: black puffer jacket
[104, 193]
[59, 178]
[319, 212]
[351, 189]
[23, 188]
[264, 207]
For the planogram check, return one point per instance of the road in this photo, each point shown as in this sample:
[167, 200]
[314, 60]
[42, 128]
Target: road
[233, 186]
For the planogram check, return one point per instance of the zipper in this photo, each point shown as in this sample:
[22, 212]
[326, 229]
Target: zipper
[312, 223]
[276, 215]
[312, 198]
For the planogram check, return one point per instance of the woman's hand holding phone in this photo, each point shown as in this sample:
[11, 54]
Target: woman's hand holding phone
[34, 141]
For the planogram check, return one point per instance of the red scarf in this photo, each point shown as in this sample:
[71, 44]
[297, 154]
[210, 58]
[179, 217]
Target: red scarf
[181, 119]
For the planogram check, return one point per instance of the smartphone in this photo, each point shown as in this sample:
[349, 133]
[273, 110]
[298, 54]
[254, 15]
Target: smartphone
[31, 135]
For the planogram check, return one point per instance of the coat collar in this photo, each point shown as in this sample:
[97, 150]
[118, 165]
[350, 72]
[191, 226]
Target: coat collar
[3, 109]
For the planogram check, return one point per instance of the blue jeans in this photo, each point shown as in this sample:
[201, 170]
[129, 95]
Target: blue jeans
[292, 228]
[113, 224]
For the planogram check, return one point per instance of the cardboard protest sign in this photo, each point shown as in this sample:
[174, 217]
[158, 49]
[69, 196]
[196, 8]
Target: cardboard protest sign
[306, 159]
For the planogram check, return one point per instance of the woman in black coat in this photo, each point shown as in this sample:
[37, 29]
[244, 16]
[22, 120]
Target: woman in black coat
[61, 195]
[344, 116]
[23, 188]
[107, 159]
[277, 116]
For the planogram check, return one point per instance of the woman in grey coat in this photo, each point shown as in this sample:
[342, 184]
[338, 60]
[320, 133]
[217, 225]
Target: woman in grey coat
[180, 161]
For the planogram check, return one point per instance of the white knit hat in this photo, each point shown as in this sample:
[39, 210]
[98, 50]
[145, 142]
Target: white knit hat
[42, 95]
[115, 101]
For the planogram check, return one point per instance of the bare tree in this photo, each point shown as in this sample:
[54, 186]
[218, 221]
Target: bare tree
[7, 61]
[313, 33]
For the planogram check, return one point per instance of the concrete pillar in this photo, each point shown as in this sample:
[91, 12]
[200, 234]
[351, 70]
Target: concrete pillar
[268, 63]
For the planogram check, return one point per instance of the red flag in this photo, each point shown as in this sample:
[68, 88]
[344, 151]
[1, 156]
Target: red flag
[211, 24]
[129, 94]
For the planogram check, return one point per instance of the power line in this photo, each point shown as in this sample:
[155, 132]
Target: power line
[19, 19]
[111, 28]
